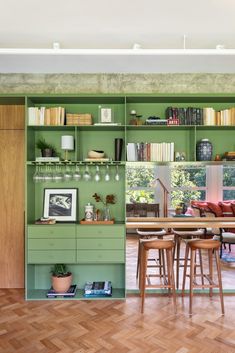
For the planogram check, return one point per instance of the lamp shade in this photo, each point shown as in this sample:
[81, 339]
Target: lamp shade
[67, 143]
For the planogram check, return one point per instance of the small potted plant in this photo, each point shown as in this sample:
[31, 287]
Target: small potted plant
[61, 278]
[47, 149]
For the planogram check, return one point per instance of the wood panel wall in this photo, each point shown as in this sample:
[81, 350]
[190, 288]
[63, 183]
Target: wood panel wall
[12, 196]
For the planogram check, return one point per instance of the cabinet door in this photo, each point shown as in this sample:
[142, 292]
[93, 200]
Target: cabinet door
[100, 256]
[12, 208]
[107, 231]
[51, 256]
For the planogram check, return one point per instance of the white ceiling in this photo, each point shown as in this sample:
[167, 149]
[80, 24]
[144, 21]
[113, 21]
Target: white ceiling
[116, 24]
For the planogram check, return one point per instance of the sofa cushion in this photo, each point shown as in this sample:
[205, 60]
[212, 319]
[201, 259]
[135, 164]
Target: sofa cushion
[214, 207]
[233, 207]
[226, 208]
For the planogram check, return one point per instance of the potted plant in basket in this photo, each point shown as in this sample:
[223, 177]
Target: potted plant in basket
[47, 149]
[61, 278]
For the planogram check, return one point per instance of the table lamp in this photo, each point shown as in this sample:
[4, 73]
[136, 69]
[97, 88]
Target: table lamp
[165, 195]
[67, 144]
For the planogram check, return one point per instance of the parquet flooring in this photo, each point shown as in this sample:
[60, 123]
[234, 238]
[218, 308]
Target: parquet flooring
[114, 326]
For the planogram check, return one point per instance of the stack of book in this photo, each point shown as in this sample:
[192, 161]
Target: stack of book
[98, 289]
[46, 116]
[69, 294]
[150, 152]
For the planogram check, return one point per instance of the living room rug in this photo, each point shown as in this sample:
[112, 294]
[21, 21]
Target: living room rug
[228, 256]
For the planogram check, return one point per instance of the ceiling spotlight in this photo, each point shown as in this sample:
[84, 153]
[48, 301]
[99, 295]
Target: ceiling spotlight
[220, 47]
[136, 46]
[56, 45]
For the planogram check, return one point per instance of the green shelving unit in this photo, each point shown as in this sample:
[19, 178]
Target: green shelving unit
[97, 252]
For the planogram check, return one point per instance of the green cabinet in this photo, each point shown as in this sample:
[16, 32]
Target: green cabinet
[97, 252]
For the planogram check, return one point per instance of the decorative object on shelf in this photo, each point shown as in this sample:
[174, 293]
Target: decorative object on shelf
[95, 154]
[47, 149]
[217, 158]
[229, 156]
[105, 115]
[45, 220]
[61, 278]
[60, 204]
[180, 156]
[78, 119]
[109, 200]
[165, 195]
[135, 118]
[173, 122]
[155, 120]
[118, 143]
[204, 150]
[67, 144]
[89, 212]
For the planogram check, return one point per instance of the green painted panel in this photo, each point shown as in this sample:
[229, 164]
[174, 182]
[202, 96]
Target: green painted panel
[50, 244]
[101, 243]
[51, 256]
[51, 231]
[99, 256]
[101, 231]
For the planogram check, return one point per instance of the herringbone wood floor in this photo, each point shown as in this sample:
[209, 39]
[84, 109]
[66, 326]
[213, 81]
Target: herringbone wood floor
[115, 326]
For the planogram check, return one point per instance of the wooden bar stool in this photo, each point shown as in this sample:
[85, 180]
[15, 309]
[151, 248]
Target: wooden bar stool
[149, 234]
[167, 280]
[212, 247]
[179, 235]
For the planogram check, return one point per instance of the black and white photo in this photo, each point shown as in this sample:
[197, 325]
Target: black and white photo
[60, 204]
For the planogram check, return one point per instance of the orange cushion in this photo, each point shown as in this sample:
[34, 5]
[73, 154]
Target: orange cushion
[233, 207]
[214, 207]
[199, 204]
[226, 208]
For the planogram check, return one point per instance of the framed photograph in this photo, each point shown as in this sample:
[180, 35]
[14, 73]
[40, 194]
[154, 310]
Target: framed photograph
[105, 115]
[60, 204]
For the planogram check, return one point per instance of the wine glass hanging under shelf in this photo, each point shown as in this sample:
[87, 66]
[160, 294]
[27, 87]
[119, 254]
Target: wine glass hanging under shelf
[77, 172]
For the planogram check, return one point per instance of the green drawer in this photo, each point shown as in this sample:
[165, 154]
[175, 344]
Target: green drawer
[51, 256]
[93, 231]
[50, 244]
[101, 243]
[57, 231]
[100, 256]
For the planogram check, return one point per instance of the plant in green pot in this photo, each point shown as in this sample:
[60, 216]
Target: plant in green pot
[61, 278]
[47, 149]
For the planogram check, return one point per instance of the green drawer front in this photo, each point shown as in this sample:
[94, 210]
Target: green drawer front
[50, 244]
[109, 231]
[58, 231]
[102, 243]
[91, 256]
[51, 257]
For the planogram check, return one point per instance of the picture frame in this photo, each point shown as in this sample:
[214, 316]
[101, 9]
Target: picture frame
[105, 115]
[60, 204]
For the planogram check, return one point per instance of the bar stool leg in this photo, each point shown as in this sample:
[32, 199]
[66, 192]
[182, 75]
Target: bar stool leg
[192, 259]
[138, 259]
[210, 270]
[177, 244]
[171, 277]
[217, 260]
[201, 267]
[185, 268]
[143, 270]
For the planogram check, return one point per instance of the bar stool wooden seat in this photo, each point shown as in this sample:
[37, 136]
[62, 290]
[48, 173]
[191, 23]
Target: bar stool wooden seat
[149, 234]
[212, 247]
[166, 280]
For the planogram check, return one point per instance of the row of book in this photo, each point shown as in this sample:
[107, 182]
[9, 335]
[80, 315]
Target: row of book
[201, 116]
[150, 152]
[46, 116]
[91, 289]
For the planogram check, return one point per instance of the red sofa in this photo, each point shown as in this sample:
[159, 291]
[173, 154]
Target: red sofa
[220, 209]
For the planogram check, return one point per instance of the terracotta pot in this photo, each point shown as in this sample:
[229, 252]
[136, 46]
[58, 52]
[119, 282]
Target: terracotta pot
[61, 284]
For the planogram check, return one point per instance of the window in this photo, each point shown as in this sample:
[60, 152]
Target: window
[138, 183]
[187, 183]
[228, 183]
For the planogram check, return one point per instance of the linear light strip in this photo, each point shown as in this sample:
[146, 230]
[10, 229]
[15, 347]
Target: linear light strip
[124, 52]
